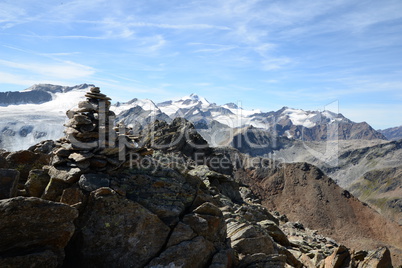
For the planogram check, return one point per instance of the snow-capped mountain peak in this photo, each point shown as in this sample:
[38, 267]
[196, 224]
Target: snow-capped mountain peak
[42, 118]
[193, 99]
[145, 104]
[56, 88]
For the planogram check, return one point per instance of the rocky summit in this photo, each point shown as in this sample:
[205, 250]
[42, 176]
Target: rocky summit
[103, 197]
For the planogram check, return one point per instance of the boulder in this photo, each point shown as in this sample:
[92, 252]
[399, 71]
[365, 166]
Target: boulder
[65, 174]
[207, 220]
[224, 183]
[340, 258]
[380, 258]
[195, 253]
[24, 161]
[30, 225]
[181, 232]
[8, 183]
[275, 232]
[116, 232]
[249, 239]
[166, 193]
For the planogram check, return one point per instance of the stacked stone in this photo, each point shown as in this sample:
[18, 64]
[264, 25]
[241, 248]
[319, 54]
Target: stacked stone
[90, 123]
[90, 142]
[91, 146]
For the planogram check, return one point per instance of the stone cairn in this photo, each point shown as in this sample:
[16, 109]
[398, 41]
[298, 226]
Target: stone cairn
[91, 144]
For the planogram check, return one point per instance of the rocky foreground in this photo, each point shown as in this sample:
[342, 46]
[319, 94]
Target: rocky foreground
[178, 203]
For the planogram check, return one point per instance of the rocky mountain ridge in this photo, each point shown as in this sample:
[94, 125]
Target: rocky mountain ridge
[36, 94]
[371, 170]
[394, 133]
[215, 122]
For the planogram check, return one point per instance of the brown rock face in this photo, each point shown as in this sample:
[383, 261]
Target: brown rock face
[304, 193]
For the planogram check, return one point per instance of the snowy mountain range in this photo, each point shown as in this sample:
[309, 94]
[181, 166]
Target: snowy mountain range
[26, 120]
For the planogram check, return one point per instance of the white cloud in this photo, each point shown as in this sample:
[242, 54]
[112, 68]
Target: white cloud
[64, 70]
[270, 64]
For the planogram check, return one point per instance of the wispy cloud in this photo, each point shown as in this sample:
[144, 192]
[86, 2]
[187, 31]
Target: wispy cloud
[65, 70]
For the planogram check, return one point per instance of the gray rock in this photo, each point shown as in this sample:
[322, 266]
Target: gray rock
[224, 258]
[29, 224]
[8, 182]
[65, 174]
[167, 193]
[249, 239]
[181, 232]
[117, 232]
[80, 119]
[275, 232]
[78, 157]
[195, 253]
[91, 182]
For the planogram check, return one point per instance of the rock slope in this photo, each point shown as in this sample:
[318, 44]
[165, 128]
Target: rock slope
[306, 194]
[370, 170]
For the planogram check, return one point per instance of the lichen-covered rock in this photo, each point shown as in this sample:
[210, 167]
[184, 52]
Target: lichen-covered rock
[30, 224]
[116, 232]
[24, 161]
[166, 193]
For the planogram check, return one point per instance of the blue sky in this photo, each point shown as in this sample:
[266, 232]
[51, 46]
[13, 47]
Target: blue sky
[263, 54]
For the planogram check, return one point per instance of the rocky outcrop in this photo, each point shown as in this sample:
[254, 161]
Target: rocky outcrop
[178, 136]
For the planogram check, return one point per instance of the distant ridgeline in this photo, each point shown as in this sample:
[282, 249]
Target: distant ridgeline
[36, 94]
